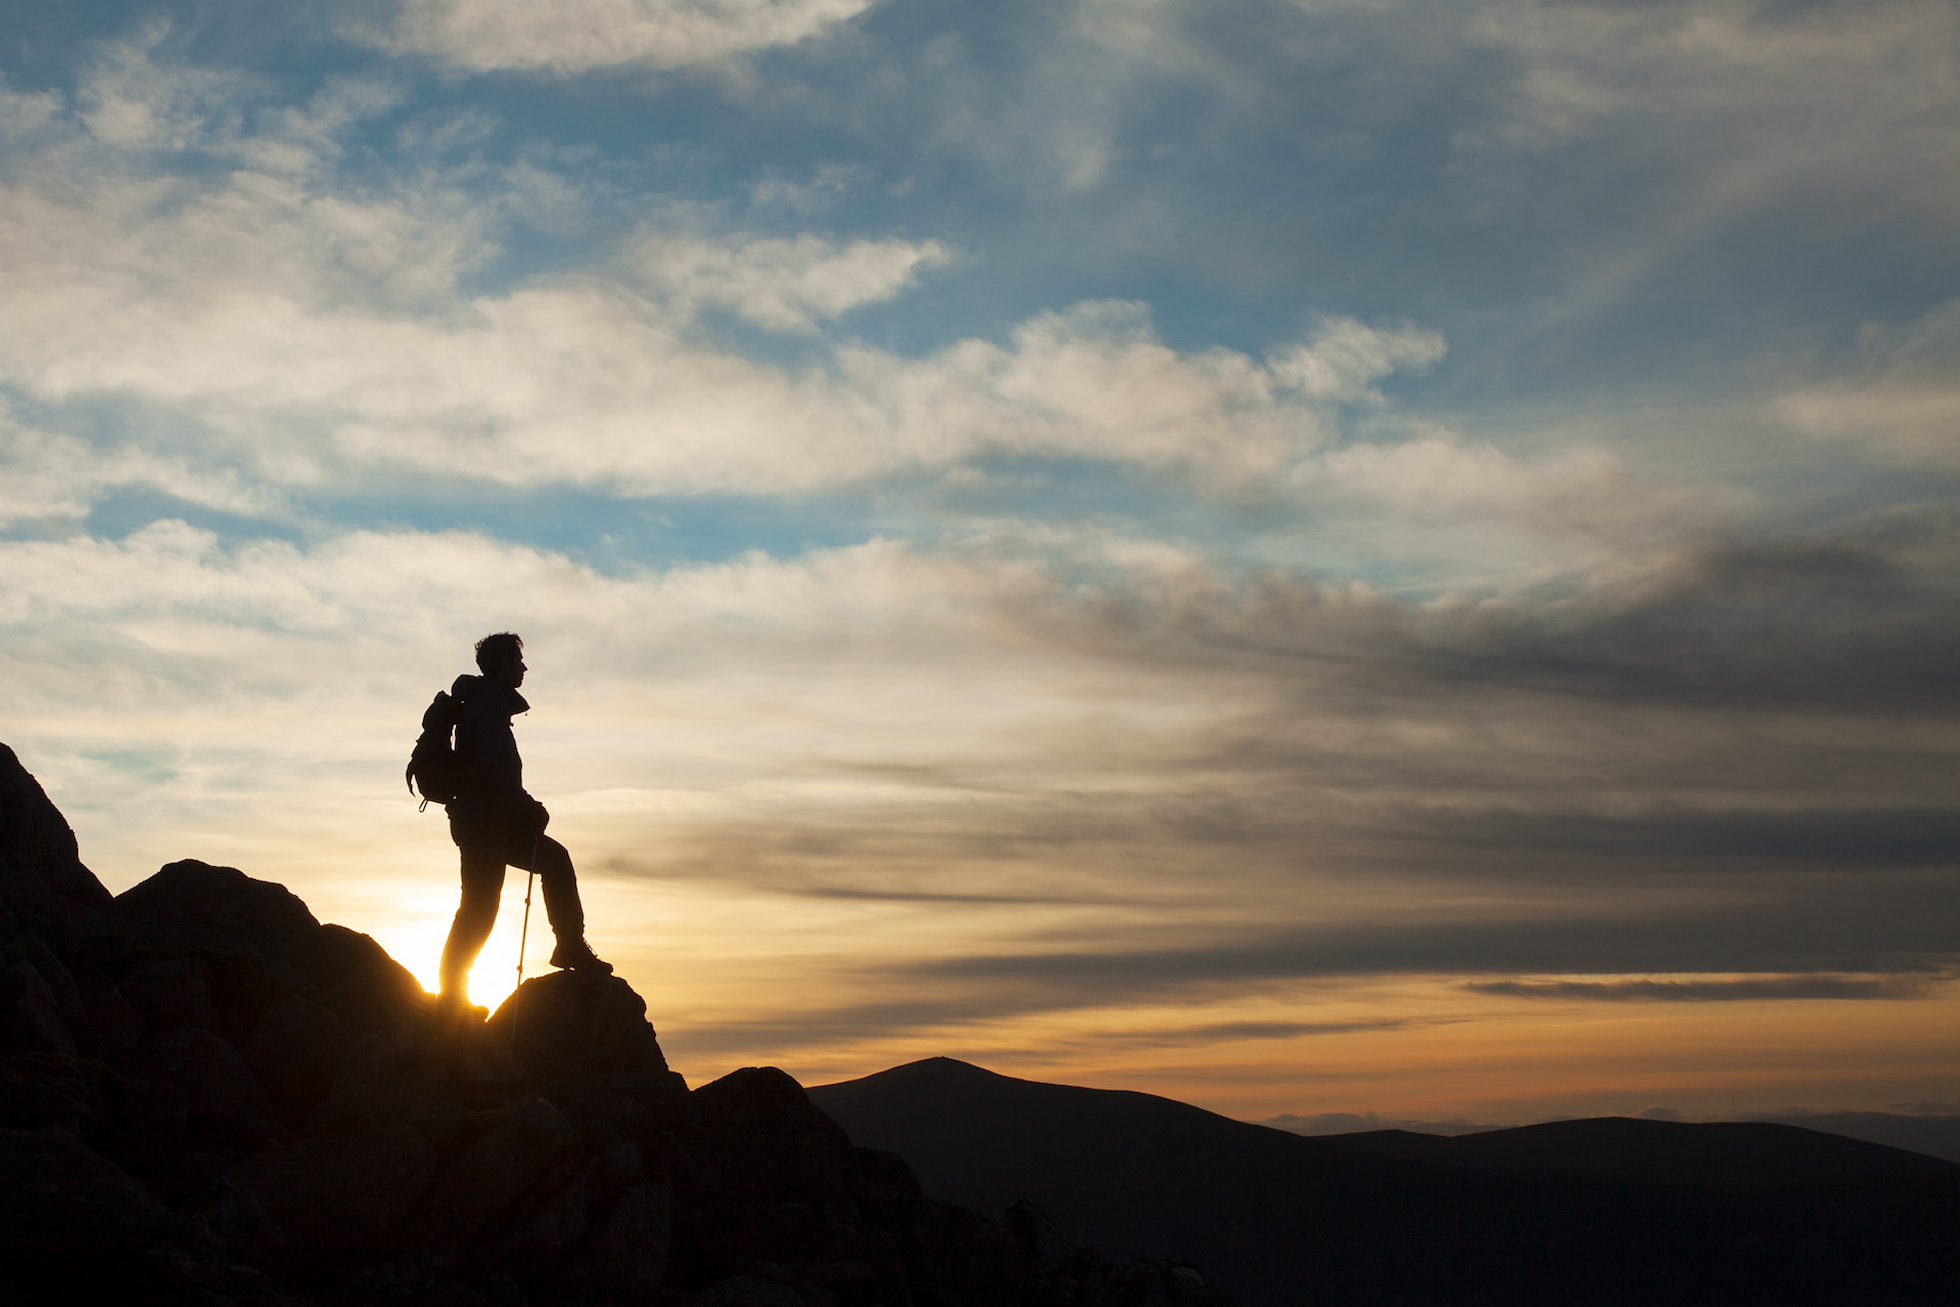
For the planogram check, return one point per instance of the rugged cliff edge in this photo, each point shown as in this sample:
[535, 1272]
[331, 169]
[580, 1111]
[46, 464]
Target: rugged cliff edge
[208, 1096]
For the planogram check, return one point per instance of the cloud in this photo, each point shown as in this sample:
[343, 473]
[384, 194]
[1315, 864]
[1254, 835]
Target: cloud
[278, 328]
[51, 477]
[1583, 494]
[1900, 402]
[131, 99]
[571, 380]
[1697, 940]
[1817, 938]
[1800, 623]
[1095, 688]
[1736, 990]
[782, 284]
[1344, 359]
[1741, 68]
[308, 333]
[566, 39]
[847, 743]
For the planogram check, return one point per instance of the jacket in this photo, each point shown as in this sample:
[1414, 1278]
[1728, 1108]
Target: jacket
[489, 772]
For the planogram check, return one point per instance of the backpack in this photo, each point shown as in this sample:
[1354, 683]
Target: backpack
[432, 767]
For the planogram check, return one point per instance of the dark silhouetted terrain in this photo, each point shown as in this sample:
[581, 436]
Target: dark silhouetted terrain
[1931, 1134]
[1935, 1136]
[1595, 1212]
[207, 1096]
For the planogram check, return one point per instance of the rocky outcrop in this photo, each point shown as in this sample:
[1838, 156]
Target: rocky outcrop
[208, 1095]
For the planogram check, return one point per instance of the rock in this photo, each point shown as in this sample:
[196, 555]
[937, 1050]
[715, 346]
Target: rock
[726, 1236]
[368, 1090]
[177, 992]
[624, 1258]
[766, 1177]
[43, 1089]
[763, 1138]
[195, 896]
[623, 1108]
[353, 1191]
[39, 861]
[221, 1096]
[959, 1256]
[489, 1173]
[63, 1203]
[110, 1022]
[295, 1052]
[1060, 1270]
[355, 977]
[573, 1023]
[765, 1286]
[30, 1014]
[547, 1220]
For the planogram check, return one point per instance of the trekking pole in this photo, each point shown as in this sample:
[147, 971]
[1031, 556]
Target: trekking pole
[523, 934]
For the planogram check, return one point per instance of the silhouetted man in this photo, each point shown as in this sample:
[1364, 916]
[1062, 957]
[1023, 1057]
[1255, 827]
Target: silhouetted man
[497, 824]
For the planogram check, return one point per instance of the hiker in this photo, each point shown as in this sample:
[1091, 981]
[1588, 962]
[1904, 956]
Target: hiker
[497, 824]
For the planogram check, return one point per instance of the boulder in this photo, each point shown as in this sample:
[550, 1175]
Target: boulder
[40, 865]
[295, 1052]
[354, 976]
[47, 1089]
[174, 992]
[574, 1023]
[30, 1013]
[63, 1203]
[197, 897]
[220, 1095]
[624, 1257]
[760, 1138]
[763, 1286]
[354, 1191]
[110, 1022]
[487, 1175]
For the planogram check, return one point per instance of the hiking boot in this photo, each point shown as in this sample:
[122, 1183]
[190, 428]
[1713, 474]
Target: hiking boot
[454, 1007]
[577, 955]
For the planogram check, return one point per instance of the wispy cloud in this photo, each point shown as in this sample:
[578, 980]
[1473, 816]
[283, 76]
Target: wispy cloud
[785, 285]
[562, 40]
[1899, 400]
[1731, 990]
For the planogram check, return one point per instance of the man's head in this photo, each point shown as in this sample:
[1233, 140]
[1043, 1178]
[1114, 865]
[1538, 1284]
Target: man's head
[501, 658]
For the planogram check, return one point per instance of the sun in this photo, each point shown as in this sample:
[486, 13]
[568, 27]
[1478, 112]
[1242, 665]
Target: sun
[414, 936]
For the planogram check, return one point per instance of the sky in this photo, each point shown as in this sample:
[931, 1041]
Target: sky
[1390, 557]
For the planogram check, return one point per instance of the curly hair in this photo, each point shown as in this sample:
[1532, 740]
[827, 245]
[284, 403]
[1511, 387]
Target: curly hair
[495, 648]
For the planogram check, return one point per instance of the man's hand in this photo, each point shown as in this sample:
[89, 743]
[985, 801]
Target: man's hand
[541, 815]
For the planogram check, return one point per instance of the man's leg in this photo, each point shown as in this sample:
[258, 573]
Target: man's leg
[561, 903]
[563, 909]
[483, 885]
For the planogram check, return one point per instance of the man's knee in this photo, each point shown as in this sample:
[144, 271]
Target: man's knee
[554, 859]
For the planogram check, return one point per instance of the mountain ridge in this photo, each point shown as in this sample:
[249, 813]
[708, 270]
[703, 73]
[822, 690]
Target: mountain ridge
[1612, 1210]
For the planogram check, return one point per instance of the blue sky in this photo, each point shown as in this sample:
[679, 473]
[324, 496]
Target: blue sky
[1191, 545]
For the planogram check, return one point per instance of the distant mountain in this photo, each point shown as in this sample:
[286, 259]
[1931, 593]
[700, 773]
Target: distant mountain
[1748, 1155]
[1935, 1136]
[1595, 1212]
